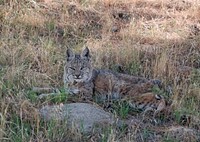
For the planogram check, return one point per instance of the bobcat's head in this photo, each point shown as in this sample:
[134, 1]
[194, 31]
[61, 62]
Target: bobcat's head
[78, 66]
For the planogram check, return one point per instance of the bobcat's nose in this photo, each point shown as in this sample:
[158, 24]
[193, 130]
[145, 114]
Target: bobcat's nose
[77, 76]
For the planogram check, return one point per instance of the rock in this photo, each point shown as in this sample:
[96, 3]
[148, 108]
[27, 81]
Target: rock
[84, 117]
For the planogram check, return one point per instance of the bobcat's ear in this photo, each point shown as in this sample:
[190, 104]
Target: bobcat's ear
[86, 53]
[69, 54]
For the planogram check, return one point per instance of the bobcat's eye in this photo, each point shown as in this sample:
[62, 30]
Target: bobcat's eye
[72, 68]
[81, 68]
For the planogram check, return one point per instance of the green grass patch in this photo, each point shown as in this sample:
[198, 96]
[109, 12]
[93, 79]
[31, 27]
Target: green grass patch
[195, 79]
[18, 130]
[160, 91]
[146, 134]
[169, 139]
[56, 98]
[32, 96]
[106, 132]
[61, 97]
[122, 109]
[50, 26]
[55, 131]
[134, 68]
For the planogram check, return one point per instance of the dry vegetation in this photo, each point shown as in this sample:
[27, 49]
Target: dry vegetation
[151, 38]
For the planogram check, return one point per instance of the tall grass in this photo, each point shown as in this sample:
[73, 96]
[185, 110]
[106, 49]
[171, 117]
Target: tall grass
[154, 39]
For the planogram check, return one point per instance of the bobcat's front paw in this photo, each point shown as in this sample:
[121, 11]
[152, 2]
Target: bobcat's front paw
[73, 91]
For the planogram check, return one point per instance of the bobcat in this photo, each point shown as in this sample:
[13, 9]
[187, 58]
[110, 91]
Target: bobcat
[81, 78]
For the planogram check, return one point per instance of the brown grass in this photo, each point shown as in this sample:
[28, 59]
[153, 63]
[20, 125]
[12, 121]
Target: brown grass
[150, 38]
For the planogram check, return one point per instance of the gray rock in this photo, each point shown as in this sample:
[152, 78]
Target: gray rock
[82, 116]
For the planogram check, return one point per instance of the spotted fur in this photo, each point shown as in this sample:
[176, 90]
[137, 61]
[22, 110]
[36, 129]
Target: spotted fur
[81, 78]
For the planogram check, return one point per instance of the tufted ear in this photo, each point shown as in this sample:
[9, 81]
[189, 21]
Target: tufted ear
[86, 53]
[69, 54]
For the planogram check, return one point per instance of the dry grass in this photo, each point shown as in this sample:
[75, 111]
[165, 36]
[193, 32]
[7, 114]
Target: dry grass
[151, 38]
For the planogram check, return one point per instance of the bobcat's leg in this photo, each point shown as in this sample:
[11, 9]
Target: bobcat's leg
[86, 89]
[146, 110]
[150, 109]
[71, 89]
[86, 93]
[161, 106]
